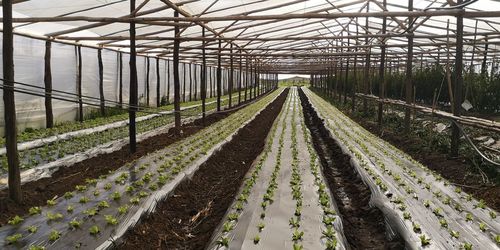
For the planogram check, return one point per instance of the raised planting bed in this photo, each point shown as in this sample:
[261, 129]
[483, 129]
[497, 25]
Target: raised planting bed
[187, 219]
[284, 201]
[64, 150]
[96, 214]
[424, 208]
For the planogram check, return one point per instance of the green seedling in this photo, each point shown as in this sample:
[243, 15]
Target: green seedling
[297, 246]
[497, 238]
[228, 226]
[116, 196]
[13, 239]
[443, 223]
[223, 242]
[52, 217]
[427, 203]
[36, 247]
[68, 195]
[96, 193]
[135, 200]
[74, 223]
[482, 226]
[469, 217]
[424, 241]
[108, 186]
[84, 200]
[294, 222]
[328, 220]
[54, 235]
[467, 246]
[102, 204]
[454, 234]
[416, 228]
[35, 210]
[80, 188]
[123, 209]
[90, 212]
[32, 229]
[329, 232]
[15, 221]
[493, 214]
[256, 239]
[297, 235]
[70, 209]
[94, 230]
[143, 194]
[331, 244]
[233, 217]
[110, 219]
[261, 226]
[406, 216]
[51, 203]
[481, 204]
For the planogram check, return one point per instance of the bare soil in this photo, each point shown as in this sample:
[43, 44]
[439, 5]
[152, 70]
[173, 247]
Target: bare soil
[364, 225]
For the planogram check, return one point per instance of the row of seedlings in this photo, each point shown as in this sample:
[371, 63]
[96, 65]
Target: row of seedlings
[81, 210]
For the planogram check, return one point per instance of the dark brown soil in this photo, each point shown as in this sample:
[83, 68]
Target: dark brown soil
[36, 193]
[457, 170]
[364, 225]
[188, 218]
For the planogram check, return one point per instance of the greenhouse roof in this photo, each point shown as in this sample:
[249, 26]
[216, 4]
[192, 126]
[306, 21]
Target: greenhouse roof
[288, 33]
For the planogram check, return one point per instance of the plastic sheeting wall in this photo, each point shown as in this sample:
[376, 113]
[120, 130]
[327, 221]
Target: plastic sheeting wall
[29, 68]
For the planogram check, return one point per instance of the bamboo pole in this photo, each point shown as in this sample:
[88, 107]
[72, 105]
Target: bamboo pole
[409, 68]
[219, 77]
[230, 79]
[382, 71]
[455, 130]
[158, 95]
[79, 83]
[203, 82]
[120, 75]
[102, 104]
[147, 80]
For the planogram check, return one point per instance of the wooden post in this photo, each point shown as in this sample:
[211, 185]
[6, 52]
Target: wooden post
[147, 81]
[455, 131]
[219, 75]
[49, 116]
[177, 105]
[79, 83]
[133, 83]
[346, 82]
[231, 76]
[239, 80]
[366, 77]
[246, 77]
[9, 104]
[382, 71]
[190, 81]
[101, 83]
[409, 67]
[184, 82]
[203, 79]
[120, 75]
[158, 97]
[168, 81]
[195, 84]
[484, 68]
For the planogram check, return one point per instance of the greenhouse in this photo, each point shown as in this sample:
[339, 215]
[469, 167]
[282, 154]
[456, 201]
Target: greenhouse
[250, 124]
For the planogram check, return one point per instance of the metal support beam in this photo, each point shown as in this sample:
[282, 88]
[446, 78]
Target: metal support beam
[133, 84]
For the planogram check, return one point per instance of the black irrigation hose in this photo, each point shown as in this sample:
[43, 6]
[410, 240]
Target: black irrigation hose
[474, 146]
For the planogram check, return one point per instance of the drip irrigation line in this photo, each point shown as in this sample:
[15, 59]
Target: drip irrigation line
[474, 146]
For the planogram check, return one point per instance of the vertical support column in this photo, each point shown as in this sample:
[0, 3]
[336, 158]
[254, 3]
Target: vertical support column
[231, 77]
[158, 95]
[484, 68]
[382, 71]
[366, 77]
[9, 102]
[177, 97]
[133, 82]
[190, 81]
[195, 85]
[246, 78]
[101, 83]
[459, 80]
[168, 81]
[409, 67]
[120, 75]
[203, 79]
[49, 116]
[219, 75]
[79, 83]
[147, 80]
[239, 80]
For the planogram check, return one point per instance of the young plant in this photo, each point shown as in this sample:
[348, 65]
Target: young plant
[15, 221]
[424, 241]
[223, 242]
[35, 210]
[103, 204]
[94, 230]
[467, 246]
[13, 239]
[84, 199]
[74, 223]
[68, 195]
[54, 216]
[32, 229]
[297, 235]
[123, 209]
[54, 235]
[116, 196]
[70, 209]
[256, 239]
[261, 226]
[228, 226]
[454, 234]
[90, 212]
[297, 246]
[51, 202]
[329, 232]
[331, 244]
[111, 220]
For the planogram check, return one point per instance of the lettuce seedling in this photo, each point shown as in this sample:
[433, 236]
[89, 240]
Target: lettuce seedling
[261, 226]
[74, 223]
[297, 235]
[52, 217]
[228, 226]
[329, 232]
[94, 230]
[493, 214]
[482, 226]
[110, 219]
[68, 195]
[116, 196]
[84, 200]
[297, 246]
[13, 239]
[454, 234]
[233, 217]
[35, 210]
[51, 202]
[294, 222]
[424, 241]
[90, 212]
[331, 244]
[54, 235]
[103, 204]
[108, 186]
[123, 209]
[467, 246]
[36, 247]
[223, 242]
[256, 239]
[16, 220]
[70, 209]
[32, 229]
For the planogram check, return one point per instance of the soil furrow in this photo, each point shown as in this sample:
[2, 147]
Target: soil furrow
[364, 225]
